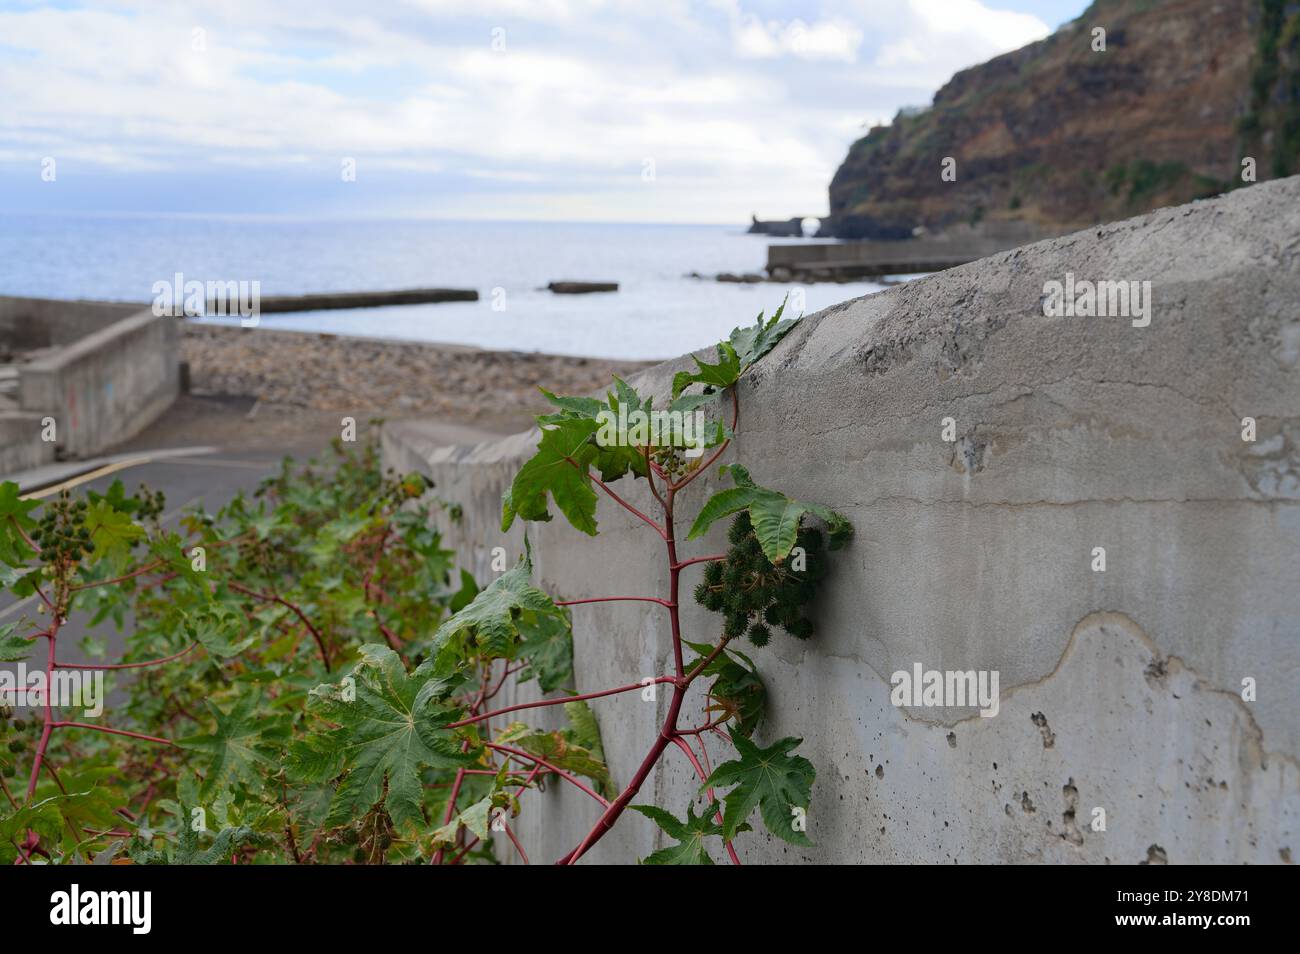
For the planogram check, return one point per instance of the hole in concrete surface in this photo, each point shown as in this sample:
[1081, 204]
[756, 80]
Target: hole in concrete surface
[1049, 737]
[1072, 834]
[1155, 856]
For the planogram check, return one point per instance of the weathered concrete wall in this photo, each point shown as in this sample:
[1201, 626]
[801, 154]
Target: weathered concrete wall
[20, 445]
[30, 323]
[1120, 689]
[107, 386]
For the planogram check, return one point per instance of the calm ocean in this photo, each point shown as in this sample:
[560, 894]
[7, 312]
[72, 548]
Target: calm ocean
[657, 312]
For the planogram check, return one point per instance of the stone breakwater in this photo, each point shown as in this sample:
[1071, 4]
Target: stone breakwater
[321, 372]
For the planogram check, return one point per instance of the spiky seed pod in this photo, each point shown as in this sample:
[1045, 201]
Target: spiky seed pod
[747, 586]
[801, 628]
[740, 528]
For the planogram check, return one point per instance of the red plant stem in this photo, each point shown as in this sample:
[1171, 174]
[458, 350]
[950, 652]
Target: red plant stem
[26, 859]
[699, 770]
[467, 772]
[390, 637]
[160, 581]
[23, 533]
[650, 470]
[515, 841]
[273, 598]
[674, 578]
[374, 564]
[44, 599]
[538, 760]
[528, 781]
[47, 714]
[668, 731]
[617, 499]
[606, 821]
[699, 729]
[104, 728]
[555, 702]
[464, 851]
[139, 665]
[694, 560]
[735, 420]
[506, 673]
[704, 663]
[615, 599]
[118, 579]
[450, 811]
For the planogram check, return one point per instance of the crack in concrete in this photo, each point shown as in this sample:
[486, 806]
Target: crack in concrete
[1100, 619]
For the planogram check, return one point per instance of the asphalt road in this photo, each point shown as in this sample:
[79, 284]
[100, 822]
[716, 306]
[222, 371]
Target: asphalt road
[210, 479]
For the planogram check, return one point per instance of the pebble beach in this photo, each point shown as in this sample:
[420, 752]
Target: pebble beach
[295, 374]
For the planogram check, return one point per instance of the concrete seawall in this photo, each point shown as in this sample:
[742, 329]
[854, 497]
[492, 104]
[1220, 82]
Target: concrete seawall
[103, 371]
[844, 261]
[1121, 690]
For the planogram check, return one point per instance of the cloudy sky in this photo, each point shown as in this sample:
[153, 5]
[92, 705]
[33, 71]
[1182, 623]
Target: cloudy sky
[609, 110]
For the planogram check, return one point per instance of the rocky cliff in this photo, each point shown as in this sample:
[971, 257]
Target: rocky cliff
[1059, 134]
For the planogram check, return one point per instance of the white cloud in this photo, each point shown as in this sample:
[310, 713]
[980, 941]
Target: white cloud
[738, 111]
[822, 40]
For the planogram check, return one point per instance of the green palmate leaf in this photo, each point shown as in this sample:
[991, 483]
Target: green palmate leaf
[13, 517]
[113, 533]
[43, 817]
[771, 780]
[561, 748]
[758, 339]
[493, 623]
[690, 835]
[9, 576]
[389, 725]
[13, 645]
[465, 595]
[559, 469]
[477, 818]
[585, 731]
[585, 408]
[775, 516]
[721, 375]
[737, 354]
[242, 742]
[217, 628]
[189, 849]
[546, 648]
[737, 693]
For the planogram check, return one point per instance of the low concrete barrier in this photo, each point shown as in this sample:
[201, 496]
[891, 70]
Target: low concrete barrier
[27, 324]
[107, 386]
[831, 261]
[1147, 711]
[376, 299]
